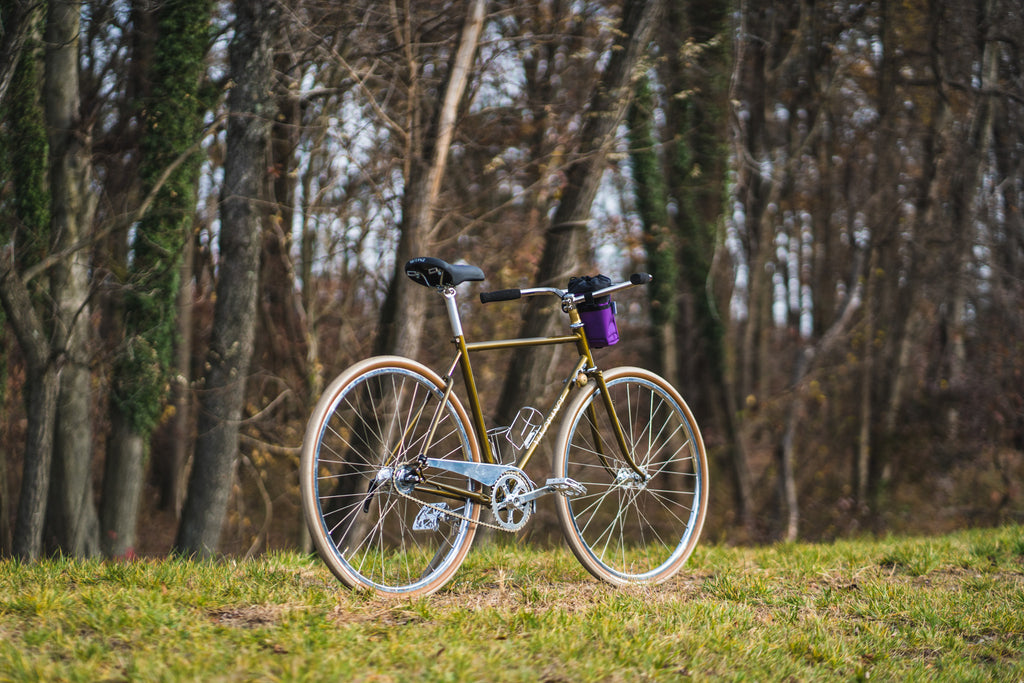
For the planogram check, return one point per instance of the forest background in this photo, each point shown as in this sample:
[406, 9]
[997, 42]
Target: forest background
[206, 206]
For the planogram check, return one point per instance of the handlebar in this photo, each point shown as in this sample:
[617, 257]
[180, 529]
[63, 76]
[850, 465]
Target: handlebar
[511, 294]
[500, 295]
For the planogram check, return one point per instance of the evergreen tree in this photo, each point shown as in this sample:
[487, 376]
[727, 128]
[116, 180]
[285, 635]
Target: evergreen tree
[173, 119]
[26, 226]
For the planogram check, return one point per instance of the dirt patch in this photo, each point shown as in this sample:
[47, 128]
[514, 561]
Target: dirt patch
[252, 616]
[570, 596]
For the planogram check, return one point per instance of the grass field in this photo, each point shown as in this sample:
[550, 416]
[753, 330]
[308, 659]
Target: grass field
[946, 608]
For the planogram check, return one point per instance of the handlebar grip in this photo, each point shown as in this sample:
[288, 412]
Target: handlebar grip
[640, 278]
[500, 295]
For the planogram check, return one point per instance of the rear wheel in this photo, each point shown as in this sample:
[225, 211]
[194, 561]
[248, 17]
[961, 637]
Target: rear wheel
[370, 519]
[630, 526]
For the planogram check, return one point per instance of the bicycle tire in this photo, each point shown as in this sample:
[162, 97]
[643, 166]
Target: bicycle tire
[375, 416]
[625, 530]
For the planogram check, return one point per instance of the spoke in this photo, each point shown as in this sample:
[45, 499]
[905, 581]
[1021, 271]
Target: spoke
[670, 509]
[346, 517]
[588, 511]
[627, 527]
[382, 419]
[599, 499]
[608, 533]
[650, 432]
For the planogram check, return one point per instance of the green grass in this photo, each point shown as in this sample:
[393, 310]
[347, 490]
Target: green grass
[947, 608]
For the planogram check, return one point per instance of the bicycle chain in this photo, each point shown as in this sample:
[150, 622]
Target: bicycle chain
[450, 513]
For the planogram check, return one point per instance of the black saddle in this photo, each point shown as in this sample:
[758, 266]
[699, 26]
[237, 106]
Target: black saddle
[433, 272]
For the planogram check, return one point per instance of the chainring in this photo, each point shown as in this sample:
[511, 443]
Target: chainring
[509, 512]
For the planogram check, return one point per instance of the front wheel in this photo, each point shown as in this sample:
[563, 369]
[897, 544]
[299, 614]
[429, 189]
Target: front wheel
[377, 521]
[633, 525]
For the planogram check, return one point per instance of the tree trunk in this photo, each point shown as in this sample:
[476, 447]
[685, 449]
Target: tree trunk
[42, 382]
[71, 515]
[26, 150]
[885, 306]
[123, 479]
[753, 324]
[970, 157]
[181, 432]
[282, 339]
[172, 123]
[751, 80]
[699, 62]
[565, 241]
[659, 242]
[220, 407]
[173, 439]
[41, 405]
[17, 22]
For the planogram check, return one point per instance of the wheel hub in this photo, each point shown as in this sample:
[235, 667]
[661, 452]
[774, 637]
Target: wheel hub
[628, 479]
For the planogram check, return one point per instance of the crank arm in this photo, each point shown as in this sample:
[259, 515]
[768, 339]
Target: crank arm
[563, 485]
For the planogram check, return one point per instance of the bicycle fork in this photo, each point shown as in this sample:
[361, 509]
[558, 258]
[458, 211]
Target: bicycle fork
[617, 430]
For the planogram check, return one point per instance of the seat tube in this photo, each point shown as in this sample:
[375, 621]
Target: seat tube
[451, 305]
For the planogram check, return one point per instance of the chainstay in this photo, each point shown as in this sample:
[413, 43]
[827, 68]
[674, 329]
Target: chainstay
[449, 513]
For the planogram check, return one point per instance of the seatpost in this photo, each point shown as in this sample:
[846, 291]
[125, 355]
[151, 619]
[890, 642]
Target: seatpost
[467, 373]
[453, 310]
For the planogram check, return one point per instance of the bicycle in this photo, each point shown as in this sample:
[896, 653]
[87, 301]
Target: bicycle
[395, 473]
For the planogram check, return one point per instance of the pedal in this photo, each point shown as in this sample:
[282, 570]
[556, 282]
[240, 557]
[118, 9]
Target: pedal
[562, 485]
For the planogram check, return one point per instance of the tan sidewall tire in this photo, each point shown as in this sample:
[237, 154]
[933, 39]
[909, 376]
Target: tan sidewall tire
[565, 516]
[307, 467]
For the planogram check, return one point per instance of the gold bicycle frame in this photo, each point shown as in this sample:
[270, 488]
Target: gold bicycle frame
[584, 369]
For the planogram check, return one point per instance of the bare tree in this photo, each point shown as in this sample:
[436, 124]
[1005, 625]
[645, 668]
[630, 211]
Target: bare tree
[565, 243]
[72, 518]
[173, 125]
[426, 152]
[52, 344]
[27, 216]
[696, 69]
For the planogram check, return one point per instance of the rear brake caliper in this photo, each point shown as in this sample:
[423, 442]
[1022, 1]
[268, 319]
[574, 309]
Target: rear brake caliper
[384, 474]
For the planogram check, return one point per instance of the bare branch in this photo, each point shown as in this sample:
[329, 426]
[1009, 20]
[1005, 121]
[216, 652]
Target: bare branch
[133, 217]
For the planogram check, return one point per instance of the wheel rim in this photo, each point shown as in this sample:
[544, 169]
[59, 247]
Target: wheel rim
[630, 528]
[367, 520]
